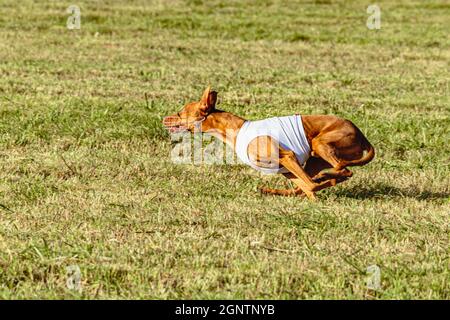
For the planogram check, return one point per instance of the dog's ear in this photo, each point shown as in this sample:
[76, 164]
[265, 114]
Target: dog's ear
[208, 100]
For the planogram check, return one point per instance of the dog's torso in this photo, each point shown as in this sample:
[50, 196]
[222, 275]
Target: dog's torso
[288, 131]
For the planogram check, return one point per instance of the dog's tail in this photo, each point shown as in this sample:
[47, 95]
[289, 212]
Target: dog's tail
[369, 154]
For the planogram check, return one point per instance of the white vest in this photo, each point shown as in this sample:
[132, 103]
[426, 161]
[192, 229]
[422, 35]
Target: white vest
[288, 131]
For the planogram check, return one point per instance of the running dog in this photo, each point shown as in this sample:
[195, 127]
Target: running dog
[313, 151]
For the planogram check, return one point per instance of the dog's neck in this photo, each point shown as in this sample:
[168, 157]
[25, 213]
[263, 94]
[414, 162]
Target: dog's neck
[223, 125]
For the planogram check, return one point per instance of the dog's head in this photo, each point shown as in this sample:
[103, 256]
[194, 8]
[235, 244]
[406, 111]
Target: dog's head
[192, 114]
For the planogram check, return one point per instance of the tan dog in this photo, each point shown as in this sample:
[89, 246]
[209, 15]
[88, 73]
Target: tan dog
[334, 143]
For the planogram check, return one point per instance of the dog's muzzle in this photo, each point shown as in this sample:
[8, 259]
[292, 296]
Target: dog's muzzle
[174, 124]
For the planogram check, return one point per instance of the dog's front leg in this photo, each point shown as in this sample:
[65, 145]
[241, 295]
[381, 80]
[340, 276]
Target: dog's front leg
[301, 178]
[288, 160]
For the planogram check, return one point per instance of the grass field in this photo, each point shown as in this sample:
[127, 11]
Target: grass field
[86, 178]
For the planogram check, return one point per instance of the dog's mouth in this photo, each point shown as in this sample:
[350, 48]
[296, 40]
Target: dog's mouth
[174, 124]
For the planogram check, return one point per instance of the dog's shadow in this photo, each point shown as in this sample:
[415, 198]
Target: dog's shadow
[382, 190]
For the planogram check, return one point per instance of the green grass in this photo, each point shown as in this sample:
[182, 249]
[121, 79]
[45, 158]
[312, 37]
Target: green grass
[86, 178]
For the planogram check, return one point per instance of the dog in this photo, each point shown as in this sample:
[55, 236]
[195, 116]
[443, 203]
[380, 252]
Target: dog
[313, 151]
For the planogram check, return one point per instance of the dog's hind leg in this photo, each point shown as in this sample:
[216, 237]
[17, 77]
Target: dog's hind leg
[342, 148]
[337, 168]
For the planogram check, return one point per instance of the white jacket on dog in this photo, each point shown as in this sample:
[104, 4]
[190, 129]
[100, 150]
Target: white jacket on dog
[287, 131]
